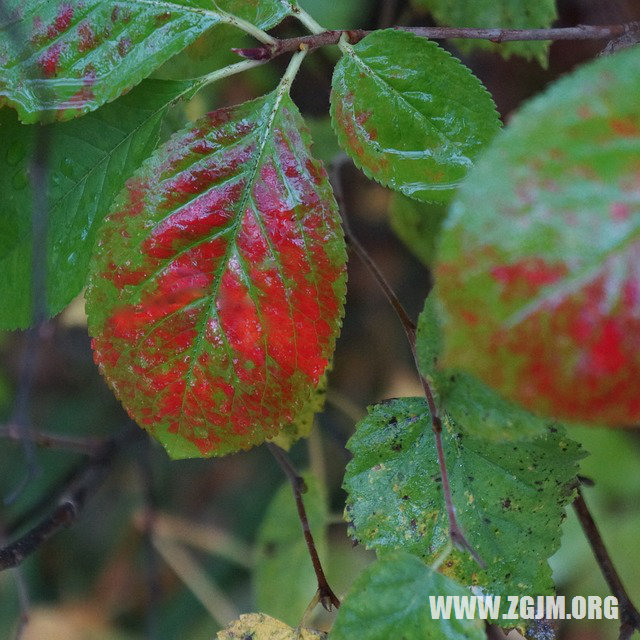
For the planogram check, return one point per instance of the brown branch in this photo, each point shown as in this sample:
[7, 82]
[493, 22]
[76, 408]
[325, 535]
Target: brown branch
[325, 594]
[630, 617]
[315, 41]
[69, 506]
[455, 530]
[88, 446]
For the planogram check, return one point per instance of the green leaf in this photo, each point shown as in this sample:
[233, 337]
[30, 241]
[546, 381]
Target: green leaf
[62, 58]
[337, 15]
[325, 143]
[284, 580]
[217, 291]
[497, 14]
[409, 114]
[390, 599]
[509, 496]
[538, 263]
[417, 224]
[257, 626]
[90, 160]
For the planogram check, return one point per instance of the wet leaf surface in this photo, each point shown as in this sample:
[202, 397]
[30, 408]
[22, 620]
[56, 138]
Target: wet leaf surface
[64, 58]
[409, 114]
[89, 160]
[217, 292]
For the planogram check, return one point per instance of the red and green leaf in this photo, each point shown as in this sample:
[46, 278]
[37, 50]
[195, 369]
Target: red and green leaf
[538, 274]
[409, 114]
[63, 58]
[217, 292]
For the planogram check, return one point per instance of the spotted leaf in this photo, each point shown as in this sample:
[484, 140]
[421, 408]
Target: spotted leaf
[509, 496]
[409, 114]
[62, 58]
[258, 626]
[217, 291]
[538, 273]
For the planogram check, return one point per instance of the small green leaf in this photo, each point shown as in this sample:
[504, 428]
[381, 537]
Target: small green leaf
[257, 626]
[390, 599]
[468, 400]
[417, 224]
[537, 271]
[509, 496]
[497, 14]
[62, 58]
[90, 160]
[217, 290]
[409, 114]
[284, 579]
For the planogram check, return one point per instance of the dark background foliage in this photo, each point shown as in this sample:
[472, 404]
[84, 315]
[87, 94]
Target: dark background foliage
[101, 578]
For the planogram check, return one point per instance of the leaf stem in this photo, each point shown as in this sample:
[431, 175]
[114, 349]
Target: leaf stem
[308, 21]
[455, 531]
[630, 617]
[325, 594]
[247, 27]
[230, 70]
[352, 36]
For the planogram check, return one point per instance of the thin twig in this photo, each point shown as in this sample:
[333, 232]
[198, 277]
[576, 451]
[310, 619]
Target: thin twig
[494, 632]
[148, 526]
[200, 536]
[69, 506]
[331, 37]
[212, 598]
[629, 615]
[88, 446]
[455, 530]
[22, 592]
[23, 598]
[325, 594]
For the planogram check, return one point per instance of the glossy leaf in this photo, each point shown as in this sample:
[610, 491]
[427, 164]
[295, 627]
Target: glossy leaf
[218, 287]
[409, 114]
[510, 496]
[497, 14]
[258, 626]
[63, 58]
[538, 264]
[466, 399]
[417, 224]
[390, 599]
[284, 580]
[90, 160]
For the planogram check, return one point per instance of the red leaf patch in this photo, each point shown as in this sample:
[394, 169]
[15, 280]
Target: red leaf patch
[217, 292]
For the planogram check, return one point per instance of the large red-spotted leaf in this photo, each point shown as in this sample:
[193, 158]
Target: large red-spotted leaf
[409, 114]
[62, 58]
[539, 271]
[217, 291]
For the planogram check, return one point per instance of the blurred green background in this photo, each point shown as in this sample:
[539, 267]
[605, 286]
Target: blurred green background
[105, 578]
